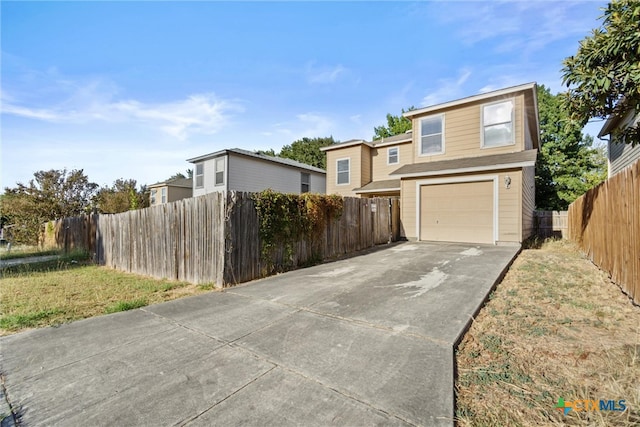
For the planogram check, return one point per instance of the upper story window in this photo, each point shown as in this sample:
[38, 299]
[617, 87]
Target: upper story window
[219, 171]
[343, 168]
[305, 182]
[164, 194]
[432, 135]
[393, 155]
[199, 175]
[497, 124]
[153, 196]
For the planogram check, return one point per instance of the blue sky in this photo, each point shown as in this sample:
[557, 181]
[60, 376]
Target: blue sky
[133, 89]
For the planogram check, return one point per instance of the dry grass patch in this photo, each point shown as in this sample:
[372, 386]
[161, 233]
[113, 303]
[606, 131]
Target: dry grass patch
[59, 291]
[555, 327]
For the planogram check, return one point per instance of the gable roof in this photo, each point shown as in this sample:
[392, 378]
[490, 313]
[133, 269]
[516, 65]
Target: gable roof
[239, 151]
[469, 164]
[176, 182]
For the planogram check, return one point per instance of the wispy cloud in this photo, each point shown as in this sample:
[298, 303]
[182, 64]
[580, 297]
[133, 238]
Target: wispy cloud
[324, 74]
[95, 100]
[447, 89]
[305, 125]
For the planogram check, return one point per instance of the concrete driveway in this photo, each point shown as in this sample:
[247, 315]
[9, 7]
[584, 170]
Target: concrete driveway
[362, 341]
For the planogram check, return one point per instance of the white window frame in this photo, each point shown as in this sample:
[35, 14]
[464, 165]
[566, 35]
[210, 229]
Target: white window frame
[216, 171]
[305, 179]
[348, 159]
[163, 192]
[154, 194]
[513, 123]
[437, 153]
[389, 162]
[200, 175]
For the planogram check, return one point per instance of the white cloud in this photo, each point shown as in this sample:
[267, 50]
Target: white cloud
[324, 74]
[309, 125]
[448, 89]
[96, 100]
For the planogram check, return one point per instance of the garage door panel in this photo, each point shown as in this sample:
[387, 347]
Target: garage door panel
[457, 212]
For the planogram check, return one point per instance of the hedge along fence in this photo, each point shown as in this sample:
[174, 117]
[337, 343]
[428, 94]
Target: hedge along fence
[605, 222]
[234, 237]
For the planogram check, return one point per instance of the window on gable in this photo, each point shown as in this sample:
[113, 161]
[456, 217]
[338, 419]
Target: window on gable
[199, 175]
[220, 171]
[305, 182]
[164, 195]
[432, 135]
[342, 167]
[393, 155]
[497, 123]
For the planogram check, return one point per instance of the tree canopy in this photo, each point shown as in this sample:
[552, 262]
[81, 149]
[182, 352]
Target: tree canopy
[121, 197]
[567, 164]
[396, 125]
[50, 195]
[603, 77]
[307, 150]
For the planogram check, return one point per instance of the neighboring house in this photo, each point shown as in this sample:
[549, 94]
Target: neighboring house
[620, 155]
[170, 191]
[242, 170]
[466, 173]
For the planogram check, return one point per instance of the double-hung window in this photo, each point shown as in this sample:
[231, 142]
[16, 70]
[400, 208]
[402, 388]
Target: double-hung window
[393, 155]
[164, 194]
[153, 196]
[432, 135]
[219, 171]
[199, 175]
[497, 124]
[305, 182]
[342, 166]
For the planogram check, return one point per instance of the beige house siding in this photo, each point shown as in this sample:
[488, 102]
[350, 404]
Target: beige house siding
[174, 193]
[509, 207]
[379, 157]
[356, 162]
[463, 130]
[528, 200]
[408, 209]
[365, 168]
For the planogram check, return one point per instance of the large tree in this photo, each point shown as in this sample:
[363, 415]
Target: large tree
[603, 77]
[307, 150]
[395, 125]
[121, 197]
[567, 165]
[50, 195]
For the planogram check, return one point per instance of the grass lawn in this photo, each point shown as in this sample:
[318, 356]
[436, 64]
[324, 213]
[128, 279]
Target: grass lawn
[59, 291]
[26, 251]
[556, 327]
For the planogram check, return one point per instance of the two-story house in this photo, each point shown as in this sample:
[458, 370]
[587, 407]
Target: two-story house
[465, 173]
[242, 170]
[170, 191]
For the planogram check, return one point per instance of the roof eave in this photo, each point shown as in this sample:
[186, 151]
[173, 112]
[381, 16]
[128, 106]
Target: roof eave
[471, 169]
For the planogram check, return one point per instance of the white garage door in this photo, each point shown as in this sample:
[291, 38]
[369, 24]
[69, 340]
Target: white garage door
[457, 212]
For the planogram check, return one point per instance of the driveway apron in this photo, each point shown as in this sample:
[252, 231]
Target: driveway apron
[367, 340]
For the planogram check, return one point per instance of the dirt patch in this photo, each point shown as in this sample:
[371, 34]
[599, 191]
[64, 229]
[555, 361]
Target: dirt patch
[555, 328]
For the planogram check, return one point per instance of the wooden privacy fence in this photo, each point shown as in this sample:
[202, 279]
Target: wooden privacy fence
[605, 222]
[70, 233]
[551, 223]
[215, 238]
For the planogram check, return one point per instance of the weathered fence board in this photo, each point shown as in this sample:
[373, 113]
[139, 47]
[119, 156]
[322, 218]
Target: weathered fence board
[215, 238]
[605, 222]
[551, 223]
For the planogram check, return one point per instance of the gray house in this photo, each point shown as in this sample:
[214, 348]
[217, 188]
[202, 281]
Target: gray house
[620, 154]
[242, 170]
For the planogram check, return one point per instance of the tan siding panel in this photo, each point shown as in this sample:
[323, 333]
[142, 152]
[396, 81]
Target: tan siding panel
[354, 154]
[408, 209]
[528, 200]
[510, 213]
[365, 168]
[380, 168]
[463, 130]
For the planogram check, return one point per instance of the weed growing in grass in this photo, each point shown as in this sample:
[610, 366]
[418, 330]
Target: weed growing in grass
[31, 320]
[125, 305]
